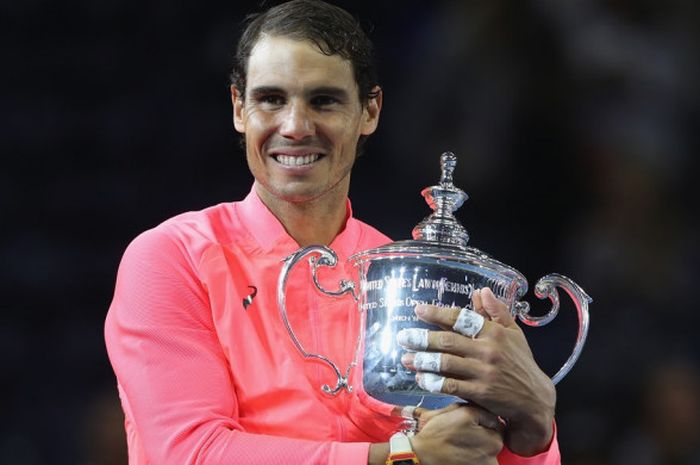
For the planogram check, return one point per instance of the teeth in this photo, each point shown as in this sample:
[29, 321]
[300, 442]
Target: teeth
[297, 161]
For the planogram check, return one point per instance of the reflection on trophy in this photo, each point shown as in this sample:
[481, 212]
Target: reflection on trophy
[438, 268]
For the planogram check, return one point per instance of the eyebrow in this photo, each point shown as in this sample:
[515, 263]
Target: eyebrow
[332, 91]
[265, 90]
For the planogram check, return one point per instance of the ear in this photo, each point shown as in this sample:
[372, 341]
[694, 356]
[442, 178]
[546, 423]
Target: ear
[238, 107]
[370, 117]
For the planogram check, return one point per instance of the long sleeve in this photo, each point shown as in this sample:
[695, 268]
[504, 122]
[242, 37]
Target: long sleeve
[549, 457]
[175, 382]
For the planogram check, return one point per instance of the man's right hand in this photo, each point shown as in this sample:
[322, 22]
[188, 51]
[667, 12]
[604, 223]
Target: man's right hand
[458, 434]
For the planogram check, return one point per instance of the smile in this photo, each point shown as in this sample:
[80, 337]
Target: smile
[300, 160]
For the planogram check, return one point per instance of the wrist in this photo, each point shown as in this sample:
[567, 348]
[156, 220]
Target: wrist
[531, 432]
[378, 453]
[530, 437]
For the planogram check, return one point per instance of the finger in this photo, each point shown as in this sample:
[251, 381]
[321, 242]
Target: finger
[425, 361]
[424, 415]
[422, 340]
[474, 414]
[491, 421]
[431, 382]
[444, 364]
[413, 338]
[468, 323]
[436, 383]
[442, 316]
[496, 310]
[477, 304]
[487, 419]
[463, 320]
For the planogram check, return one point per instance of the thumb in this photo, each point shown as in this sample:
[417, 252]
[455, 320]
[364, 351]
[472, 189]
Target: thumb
[495, 309]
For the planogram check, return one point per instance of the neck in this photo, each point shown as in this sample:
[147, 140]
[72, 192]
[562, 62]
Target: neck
[316, 221]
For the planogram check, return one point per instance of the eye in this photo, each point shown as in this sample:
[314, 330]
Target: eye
[324, 101]
[271, 100]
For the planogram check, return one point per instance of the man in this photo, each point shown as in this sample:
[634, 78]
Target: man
[207, 373]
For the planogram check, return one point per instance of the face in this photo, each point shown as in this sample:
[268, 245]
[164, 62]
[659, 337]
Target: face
[301, 117]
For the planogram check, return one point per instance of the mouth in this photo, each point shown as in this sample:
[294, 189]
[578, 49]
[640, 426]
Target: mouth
[296, 160]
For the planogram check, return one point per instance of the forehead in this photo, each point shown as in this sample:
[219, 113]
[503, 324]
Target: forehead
[284, 62]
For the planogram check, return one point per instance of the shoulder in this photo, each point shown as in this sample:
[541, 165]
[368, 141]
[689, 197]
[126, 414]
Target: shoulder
[186, 236]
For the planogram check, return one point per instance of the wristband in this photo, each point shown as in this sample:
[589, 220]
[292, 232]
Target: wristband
[401, 452]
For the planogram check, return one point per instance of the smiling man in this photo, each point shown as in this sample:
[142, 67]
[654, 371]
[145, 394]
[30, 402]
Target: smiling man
[207, 373]
[302, 117]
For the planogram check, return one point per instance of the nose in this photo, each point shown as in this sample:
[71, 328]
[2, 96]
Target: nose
[297, 122]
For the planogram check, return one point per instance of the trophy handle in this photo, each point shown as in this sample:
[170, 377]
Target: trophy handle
[546, 287]
[320, 255]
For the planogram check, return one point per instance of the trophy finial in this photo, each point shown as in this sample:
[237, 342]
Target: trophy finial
[442, 226]
[448, 163]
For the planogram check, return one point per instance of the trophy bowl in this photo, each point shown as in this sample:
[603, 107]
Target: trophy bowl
[437, 268]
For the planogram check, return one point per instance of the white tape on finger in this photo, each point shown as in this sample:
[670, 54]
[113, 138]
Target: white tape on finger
[427, 361]
[430, 381]
[413, 338]
[469, 323]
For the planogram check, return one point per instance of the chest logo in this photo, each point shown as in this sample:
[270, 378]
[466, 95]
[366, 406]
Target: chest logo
[249, 299]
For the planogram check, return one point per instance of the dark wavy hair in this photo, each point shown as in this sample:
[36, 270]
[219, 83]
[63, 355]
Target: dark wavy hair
[333, 30]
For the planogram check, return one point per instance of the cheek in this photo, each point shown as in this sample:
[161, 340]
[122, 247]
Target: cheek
[346, 130]
[351, 137]
[254, 163]
[259, 129]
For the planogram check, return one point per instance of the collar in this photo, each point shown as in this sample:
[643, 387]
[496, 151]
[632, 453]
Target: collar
[269, 233]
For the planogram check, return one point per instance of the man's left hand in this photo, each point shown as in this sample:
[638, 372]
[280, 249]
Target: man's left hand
[495, 370]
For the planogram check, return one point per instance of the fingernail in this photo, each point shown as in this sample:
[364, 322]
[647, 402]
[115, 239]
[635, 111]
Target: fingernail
[407, 360]
[413, 338]
[430, 381]
[420, 310]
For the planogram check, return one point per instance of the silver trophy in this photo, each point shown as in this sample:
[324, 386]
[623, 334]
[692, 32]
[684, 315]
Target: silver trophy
[436, 267]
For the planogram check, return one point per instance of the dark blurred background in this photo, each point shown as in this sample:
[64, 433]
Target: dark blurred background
[576, 124]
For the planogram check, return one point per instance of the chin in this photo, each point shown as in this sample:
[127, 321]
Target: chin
[296, 195]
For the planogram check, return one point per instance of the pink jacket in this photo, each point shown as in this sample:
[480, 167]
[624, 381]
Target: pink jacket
[203, 379]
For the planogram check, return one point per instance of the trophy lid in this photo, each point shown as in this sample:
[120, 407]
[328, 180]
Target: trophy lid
[441, 236]
[445, 198]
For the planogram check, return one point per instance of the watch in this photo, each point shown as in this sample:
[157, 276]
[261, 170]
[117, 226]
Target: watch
[400, 451]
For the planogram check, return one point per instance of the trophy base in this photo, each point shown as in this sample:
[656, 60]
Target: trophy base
[417, 399]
